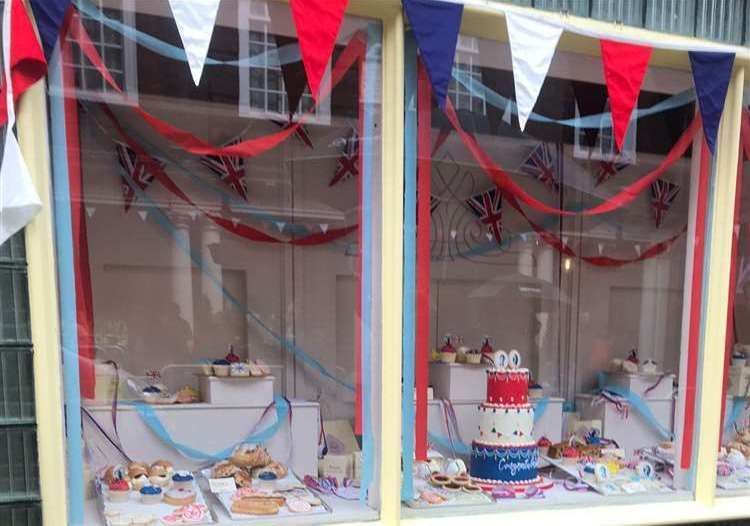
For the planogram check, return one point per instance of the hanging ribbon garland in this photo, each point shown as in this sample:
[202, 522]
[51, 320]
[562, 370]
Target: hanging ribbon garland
[353, 52]
[238, 229]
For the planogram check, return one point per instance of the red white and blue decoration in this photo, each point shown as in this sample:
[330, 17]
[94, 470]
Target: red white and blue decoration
[542, 165]
[435, 26]
[711, 72]
[348, 162]
[608, 169]
[663, 194]
[49, 15]
[230, 169]
[488, 207]
[136, 171]
[300, 132]
[195, 21]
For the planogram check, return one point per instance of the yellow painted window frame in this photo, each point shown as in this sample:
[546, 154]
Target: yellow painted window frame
[481, 19]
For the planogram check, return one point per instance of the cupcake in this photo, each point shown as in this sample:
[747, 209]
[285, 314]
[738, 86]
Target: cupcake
[162, 466]
[221, 367]
[544, 444]
[447, 351]
[461, 352]
[231, 357]
[473, 356]
[239, 369]
[140, 481]
[119, 490]
[648, 367]
[570, 453]
[182, 479]
[187, 395]
[150, 393]
[206, 367]
[738, 358]
[151, 494]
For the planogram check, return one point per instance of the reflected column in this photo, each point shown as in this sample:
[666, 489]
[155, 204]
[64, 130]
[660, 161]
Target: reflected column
[181, 272]
[211, 278]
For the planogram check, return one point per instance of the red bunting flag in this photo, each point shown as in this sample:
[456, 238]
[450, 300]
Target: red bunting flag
[317, 23]
[230, 169]
[625, 67]
[663, 194]
[488, 207]
[348, 163]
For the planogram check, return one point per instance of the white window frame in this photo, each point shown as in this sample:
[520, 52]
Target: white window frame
[467, 50]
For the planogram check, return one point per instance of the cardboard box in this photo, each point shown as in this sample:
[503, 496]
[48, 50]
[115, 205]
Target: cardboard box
[339, 466]
[647, 386]
[458, 381]
[237, 390]
[343, 449]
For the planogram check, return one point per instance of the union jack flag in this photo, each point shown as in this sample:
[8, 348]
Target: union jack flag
[230, 169]
[488, 207]
[434, 203]
[135, 171]
[348, 162]
[663, 194]
[302, 133]
[541, 165]
[608, 169]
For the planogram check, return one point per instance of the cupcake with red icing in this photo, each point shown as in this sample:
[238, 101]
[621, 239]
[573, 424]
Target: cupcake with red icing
[447, 351]
[231, 357]
[543, 444]
[119, 490]
[570, 454]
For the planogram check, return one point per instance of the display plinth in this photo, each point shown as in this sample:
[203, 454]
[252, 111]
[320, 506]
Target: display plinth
[211, 428]
[626, 426]
[655, 386]
[458, 381]
[232, 390]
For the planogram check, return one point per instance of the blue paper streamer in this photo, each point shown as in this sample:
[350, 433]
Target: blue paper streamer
[152, 421]
[410, 266]
[637, 403]
[540, 407]
[739, 404]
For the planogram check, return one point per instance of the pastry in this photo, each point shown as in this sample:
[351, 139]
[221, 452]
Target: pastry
[182, 479]
[117, 472]
[452, 486]
[159, 480]
[246, 457]
[276, 469]
[139, 482]
[161, 467]
[206, 368]
[447, 351]
[471, 488]
[431, 497]
[555, 451]
[297, 505]
[137, 468]
[189, 514]
[262, 367]
[187, 395]
[439, 480]
[239, 369]
[242, 479]
[312, 499]
[119, 490]
[252, 506]
[461, 480]
[142, 520]
[224, 469]
[179, 496]
[151, 494]
[473, 356]
[221, 367]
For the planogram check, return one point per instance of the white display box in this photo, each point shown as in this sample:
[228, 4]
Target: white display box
[630, 431]
[232, 390]
[467, 416]
[648, 386]
[458, 381]
[209, 428]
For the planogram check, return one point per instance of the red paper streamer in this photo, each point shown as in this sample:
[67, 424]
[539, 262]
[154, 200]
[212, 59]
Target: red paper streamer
[353, 51]
[696, 300]
[84, 301]
[501, 178]
[358, 324]
[422, 328]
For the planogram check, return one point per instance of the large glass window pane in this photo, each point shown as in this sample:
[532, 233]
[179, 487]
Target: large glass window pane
[553, 272]
[220, 303]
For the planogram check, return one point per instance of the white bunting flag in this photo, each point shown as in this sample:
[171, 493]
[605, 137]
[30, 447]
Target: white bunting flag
[195, 21]
[143, 214]
[324, 227]
[532, 45]
[235, 221]
[19, 202]
[90, 211]
[508, 113]
[280, 225]
[600, 246]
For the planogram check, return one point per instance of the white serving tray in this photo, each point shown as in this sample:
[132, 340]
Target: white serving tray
[134, 506]
[287, 484]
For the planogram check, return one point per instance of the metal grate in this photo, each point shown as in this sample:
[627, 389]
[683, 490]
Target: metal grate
[21, 515]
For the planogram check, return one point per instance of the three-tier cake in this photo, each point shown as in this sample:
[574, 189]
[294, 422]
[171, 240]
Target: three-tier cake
[505, 451]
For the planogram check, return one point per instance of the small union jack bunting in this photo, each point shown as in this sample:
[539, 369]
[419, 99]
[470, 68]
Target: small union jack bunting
[301, 133]
[541, 165]
[434, 203]
[230, 169]
[488, 207]
[134, 170]
[663, 194]
[607, 170]
[348, 164]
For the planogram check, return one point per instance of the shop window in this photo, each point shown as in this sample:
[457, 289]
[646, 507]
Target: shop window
[733, 476]
[219, 307]
[551, 337]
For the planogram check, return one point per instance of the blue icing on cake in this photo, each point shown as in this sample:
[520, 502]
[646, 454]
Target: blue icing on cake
[504, 464]
[150, 490]
[182, 477]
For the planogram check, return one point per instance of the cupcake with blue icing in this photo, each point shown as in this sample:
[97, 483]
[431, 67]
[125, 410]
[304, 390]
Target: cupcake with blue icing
[221, 367]
[182, 480]
[151, 494]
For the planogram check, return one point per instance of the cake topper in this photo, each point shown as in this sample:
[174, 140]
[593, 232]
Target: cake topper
[501, 360]
[514, 359]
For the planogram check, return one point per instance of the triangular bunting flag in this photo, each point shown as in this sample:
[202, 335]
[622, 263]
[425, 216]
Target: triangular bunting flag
[135, 172]
[663, 194]
[49, 15]
[638, 250]
[508, 113]
[300, 132]
[348, 163]
[90, 211]
[195, 21]
[280, 225]
[235, 222]
[454, 233]
[19, 201]
[193, 214]
[532, 45]
[541, 164]
[317, 23]
[607, 170]
[229, 168]
[488, 207]
[625, 67]
[295, 80]
[600, 246]
[143, 214]
[711, 72]
[435, 25]
[324, 227]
